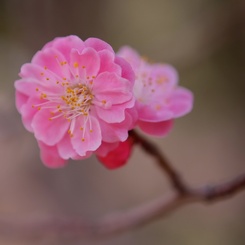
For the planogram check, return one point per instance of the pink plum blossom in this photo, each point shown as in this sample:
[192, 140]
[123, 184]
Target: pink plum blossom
[77, 98]
[159, 97]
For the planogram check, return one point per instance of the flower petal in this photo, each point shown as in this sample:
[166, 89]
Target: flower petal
[154, 112]
[127, 71]
[97, 44]
[65, 45]
[86, 135]
[87, 62]
[53, 60]
[28, 111]
[119, 156]
[50, 156]
[114, 132]
[20, 99]
[156, 128]
[105, 148]
[180, 102]
[48, 131]
[65, 149]
[107, 62]
[131, 56]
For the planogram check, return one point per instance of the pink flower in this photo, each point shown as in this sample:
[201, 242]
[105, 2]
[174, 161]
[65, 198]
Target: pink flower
[77, 98]
[119, 156]
[159, 98]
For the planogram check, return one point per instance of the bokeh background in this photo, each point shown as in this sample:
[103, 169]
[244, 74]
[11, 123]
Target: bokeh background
[205, 41]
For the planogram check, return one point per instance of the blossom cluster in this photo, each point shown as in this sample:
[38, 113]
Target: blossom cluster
[80, 98]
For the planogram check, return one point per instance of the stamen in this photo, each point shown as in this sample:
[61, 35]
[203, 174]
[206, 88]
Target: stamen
[74, 102]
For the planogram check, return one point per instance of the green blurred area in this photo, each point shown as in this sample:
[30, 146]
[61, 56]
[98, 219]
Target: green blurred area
[205, 41]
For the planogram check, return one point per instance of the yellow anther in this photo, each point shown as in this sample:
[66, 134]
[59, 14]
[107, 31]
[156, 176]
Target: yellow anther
[83, 139]
[81, 128]
[43, 96]
[75, 64]
[37, 89]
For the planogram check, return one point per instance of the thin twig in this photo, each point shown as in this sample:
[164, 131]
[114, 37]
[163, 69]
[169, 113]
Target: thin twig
[123, 221]
[120, 222]
[162, 161]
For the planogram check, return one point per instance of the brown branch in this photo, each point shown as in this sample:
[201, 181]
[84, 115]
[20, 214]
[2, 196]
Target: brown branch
[128, 220]
[176, 182]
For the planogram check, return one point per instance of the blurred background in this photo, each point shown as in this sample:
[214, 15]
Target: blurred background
[205, 41]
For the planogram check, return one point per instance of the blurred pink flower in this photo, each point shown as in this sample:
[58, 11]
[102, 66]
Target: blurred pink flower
[159, 98]
[77, 98]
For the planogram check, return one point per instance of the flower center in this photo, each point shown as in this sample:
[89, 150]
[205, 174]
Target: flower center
[77, 100]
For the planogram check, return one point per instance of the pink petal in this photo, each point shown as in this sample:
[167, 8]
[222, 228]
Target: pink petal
[65, 44]
[180, 102]
[113, 90]
[28, 112]
[49, 131]
[27, 86]
[119, 156]
[20, 99]
[105, 148]
[113, 132]
[115, 114]
[156, 128]
[110, 82]
[107, 63]
[131, 56]
[87, 63]
[164, 75]
[34, 88]
[43, 78]
[86, 135]
[52, 60]
[50, 156]
[154, 112]
[65, 148]
[97, 44]
[127, 71]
